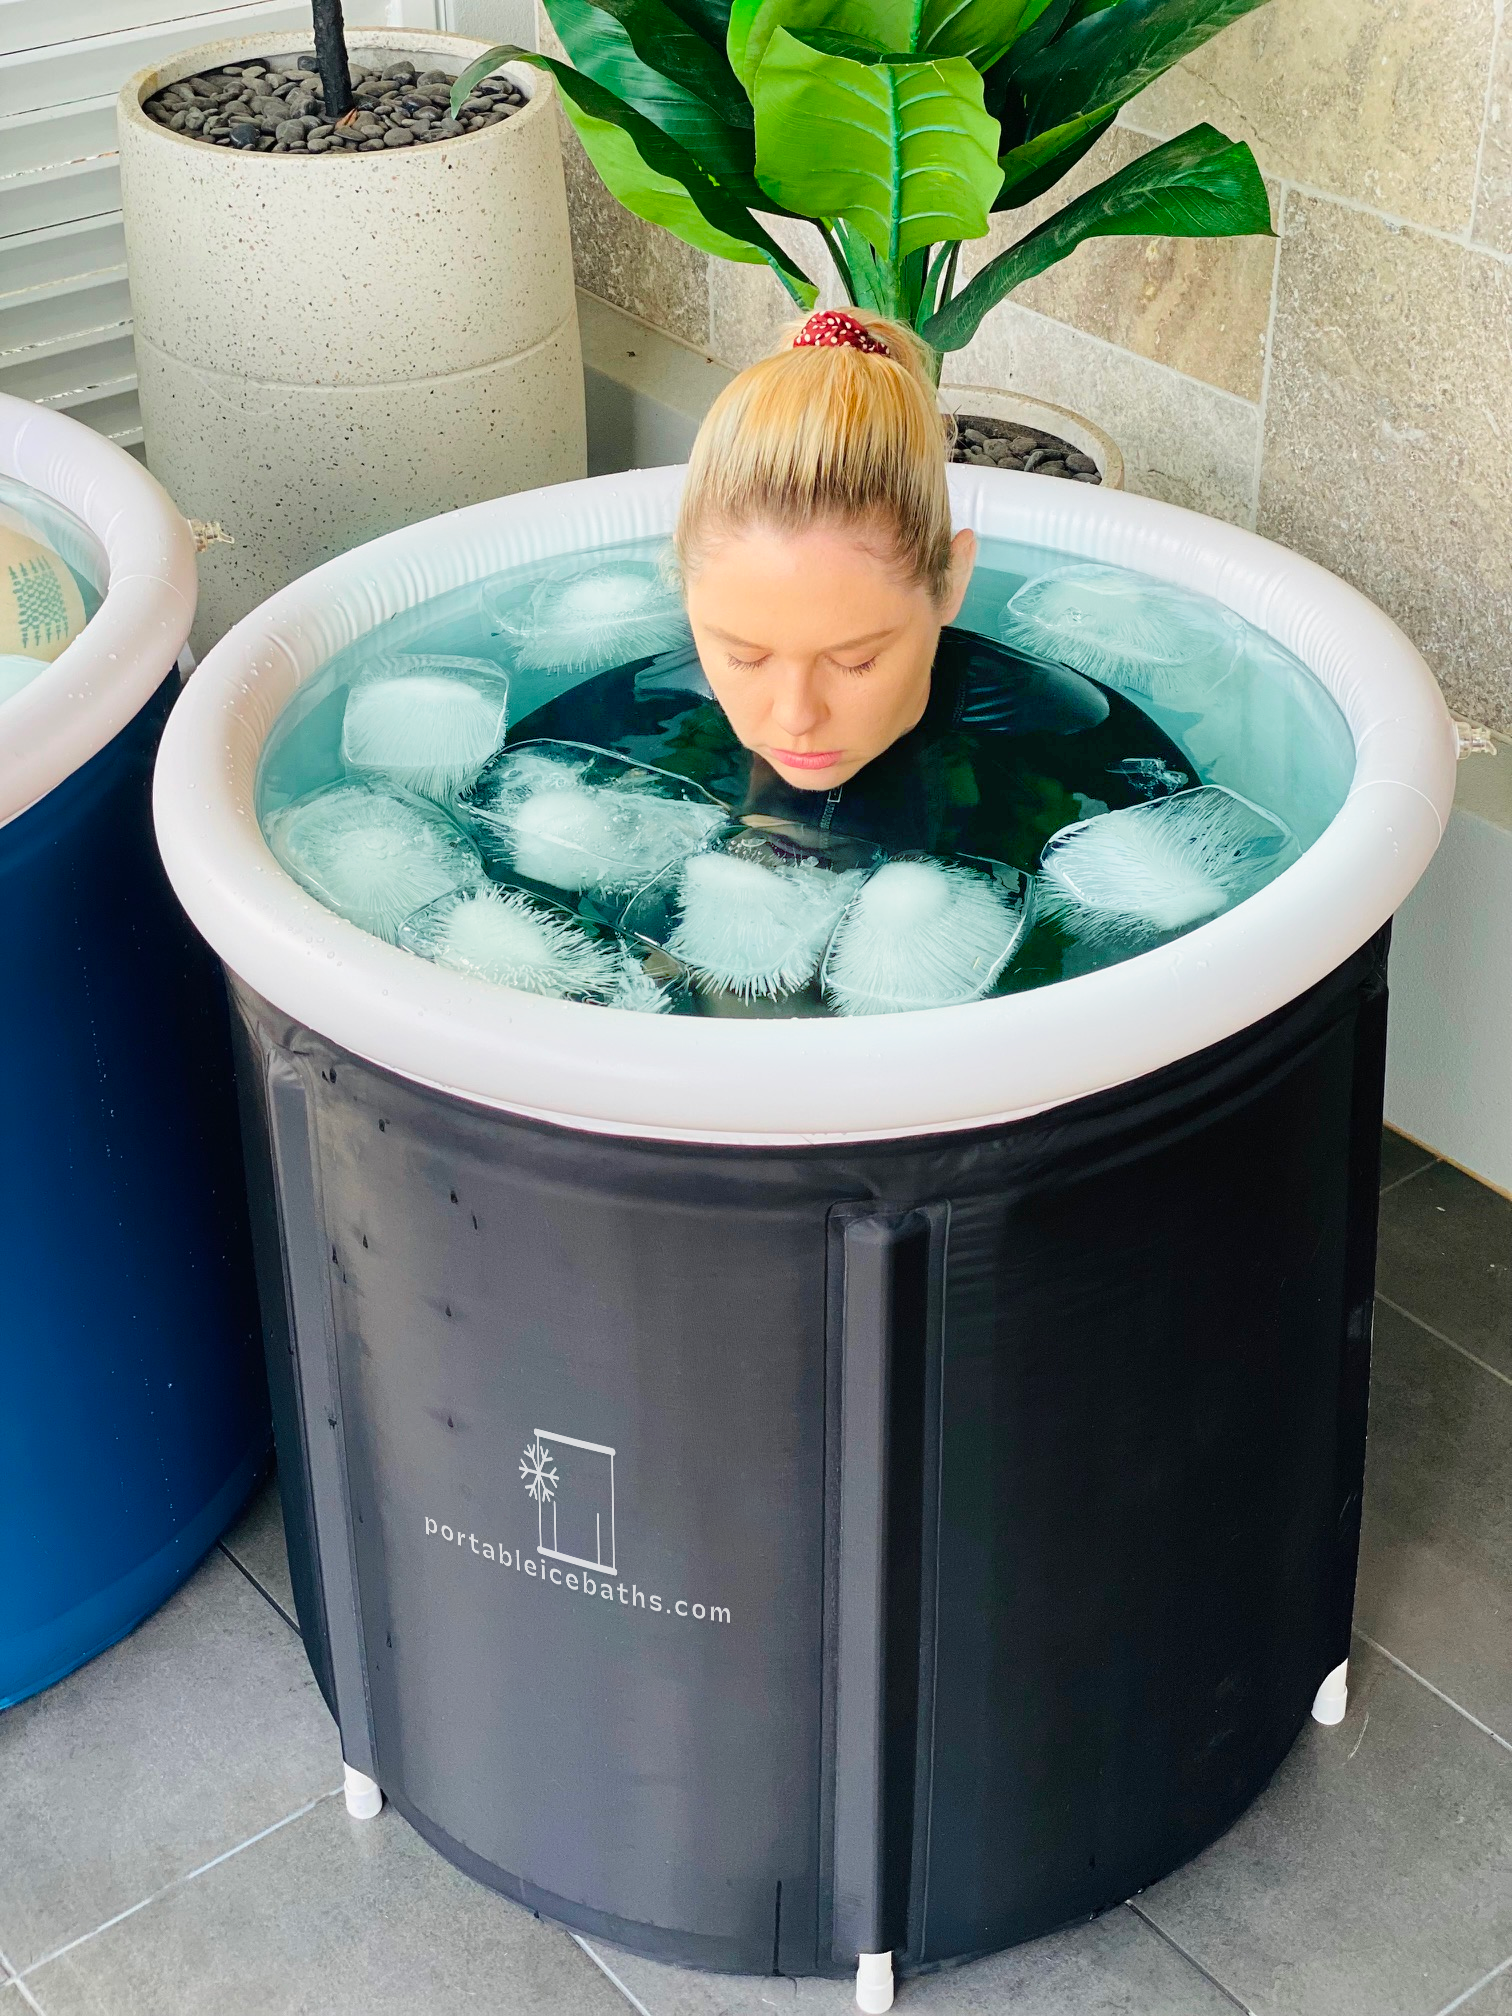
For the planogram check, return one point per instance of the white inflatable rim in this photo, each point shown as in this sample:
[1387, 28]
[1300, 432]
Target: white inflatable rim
[107, 674]
[800, 1080]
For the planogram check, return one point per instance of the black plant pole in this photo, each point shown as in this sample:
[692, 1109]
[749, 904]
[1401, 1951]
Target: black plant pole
[331, 58]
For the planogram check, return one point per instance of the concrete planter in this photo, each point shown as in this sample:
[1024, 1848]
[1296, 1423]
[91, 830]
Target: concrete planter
[1081, 433]
[332, 347]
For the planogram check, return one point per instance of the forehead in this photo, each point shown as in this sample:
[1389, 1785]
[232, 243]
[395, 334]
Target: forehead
[828, 578]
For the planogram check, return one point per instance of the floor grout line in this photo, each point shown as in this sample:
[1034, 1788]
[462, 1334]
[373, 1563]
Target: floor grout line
[605, 1969]
[1447, 1699]
[1398, 1310]
[267, 1598]
[9, 1978]
[177, 1883]
[1397, 1181]
[1475, 1988]
[1212, 1979]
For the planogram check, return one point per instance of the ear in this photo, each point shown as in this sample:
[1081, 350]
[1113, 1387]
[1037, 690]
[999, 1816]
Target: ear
[963, 553]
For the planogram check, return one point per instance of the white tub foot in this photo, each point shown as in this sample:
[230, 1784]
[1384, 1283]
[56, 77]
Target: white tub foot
[1332, 1698]
[364, 1801]
[874, 1984]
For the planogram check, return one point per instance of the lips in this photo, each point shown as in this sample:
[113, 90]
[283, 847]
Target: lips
[802, 759]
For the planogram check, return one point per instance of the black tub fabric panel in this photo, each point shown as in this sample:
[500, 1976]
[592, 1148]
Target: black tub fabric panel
[759, 1556]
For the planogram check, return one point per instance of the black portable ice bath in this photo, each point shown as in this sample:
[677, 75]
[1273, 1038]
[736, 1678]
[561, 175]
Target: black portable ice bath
[764, 1556]
[770, 1493]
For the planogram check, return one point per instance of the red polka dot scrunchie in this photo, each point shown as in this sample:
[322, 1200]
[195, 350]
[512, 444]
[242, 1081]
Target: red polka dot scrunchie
[833, 329]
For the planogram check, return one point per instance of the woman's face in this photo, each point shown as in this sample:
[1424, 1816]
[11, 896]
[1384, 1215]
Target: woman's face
[817, 648]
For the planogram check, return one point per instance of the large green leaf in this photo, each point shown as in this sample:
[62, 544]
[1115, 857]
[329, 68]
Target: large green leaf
[1200, 185]
[902, 150]
[601, 48]
[710, 18]
[753, 23]
[1033, 36]
[649, 172]
[664, 43]
[979, 30]
[1030, 170]
[1107, 58]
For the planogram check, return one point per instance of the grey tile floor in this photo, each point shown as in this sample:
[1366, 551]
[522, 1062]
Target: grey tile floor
[173, 1843]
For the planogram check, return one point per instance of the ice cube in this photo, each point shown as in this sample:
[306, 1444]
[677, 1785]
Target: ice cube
[587, 617]
[426, 723]
[1139, 636]
[753, 925]
[1165, 866]
[371, 855]
[925, 934]
[585, 820]
[515, 940]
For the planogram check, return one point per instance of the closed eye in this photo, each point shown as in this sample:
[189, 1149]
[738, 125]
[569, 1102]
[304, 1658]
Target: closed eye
[858, 668]
[743, 664]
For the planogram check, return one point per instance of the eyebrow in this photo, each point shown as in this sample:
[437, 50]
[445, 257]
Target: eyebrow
[850, 644]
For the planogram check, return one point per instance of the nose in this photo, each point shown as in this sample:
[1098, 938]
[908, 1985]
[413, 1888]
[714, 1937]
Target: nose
[797, 709]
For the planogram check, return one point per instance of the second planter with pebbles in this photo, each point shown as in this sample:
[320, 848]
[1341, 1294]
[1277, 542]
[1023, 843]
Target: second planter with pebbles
[341, 328]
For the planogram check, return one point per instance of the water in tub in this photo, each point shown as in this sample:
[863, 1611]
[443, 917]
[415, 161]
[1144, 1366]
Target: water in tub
[52, 574]
[528, 781]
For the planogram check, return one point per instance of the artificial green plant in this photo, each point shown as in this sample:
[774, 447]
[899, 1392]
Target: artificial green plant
[897, 127]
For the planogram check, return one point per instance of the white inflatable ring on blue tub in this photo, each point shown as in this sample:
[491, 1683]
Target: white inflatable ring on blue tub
[122, 655]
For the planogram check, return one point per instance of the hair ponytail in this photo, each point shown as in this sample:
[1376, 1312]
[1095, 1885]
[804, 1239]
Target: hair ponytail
[827, 431]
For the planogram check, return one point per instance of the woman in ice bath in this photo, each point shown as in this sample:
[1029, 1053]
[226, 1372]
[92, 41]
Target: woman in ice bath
[822, 573]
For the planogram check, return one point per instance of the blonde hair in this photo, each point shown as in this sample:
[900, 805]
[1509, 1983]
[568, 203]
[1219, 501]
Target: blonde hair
[820, 434]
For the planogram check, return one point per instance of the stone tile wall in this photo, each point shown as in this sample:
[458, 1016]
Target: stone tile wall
[1346, 388]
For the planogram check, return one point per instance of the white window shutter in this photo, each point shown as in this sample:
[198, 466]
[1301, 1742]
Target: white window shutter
[65, 309]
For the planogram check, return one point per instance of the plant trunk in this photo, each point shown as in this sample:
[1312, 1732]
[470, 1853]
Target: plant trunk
[331, 56]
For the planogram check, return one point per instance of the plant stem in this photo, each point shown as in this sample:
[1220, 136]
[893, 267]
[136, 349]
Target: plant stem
[894, 281]
[912, 273]
[868, 288]
[331, 56]
[947, 284]
[839, 258]
[789, 284]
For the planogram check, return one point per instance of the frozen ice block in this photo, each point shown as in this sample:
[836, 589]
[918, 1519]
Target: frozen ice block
[371, 855]
[585, 617]
[584, 820]
[517, 940]
[426, 723]
[1137, 635]
[1164, 866]
[925, 933]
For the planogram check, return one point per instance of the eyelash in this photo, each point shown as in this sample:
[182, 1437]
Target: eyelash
[753, 664]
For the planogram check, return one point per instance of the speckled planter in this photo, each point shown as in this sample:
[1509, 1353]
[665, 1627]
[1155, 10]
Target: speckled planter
[1039, 413]
[331, 347]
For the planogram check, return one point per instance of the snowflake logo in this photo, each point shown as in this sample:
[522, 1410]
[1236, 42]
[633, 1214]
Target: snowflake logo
[539, 1472]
